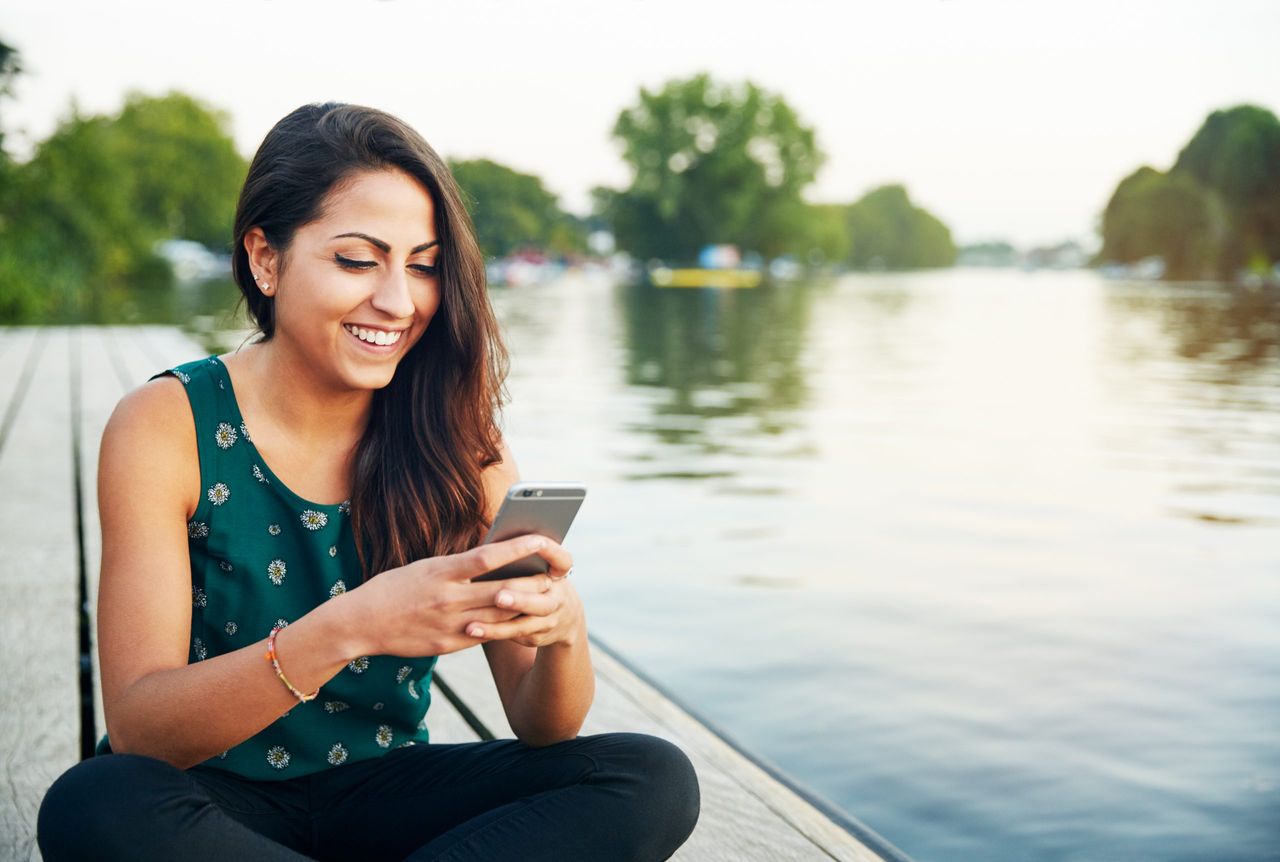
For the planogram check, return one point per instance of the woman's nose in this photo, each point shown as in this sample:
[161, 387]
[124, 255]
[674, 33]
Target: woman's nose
[394, 296]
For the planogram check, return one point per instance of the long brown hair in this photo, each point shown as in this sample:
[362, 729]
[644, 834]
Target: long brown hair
[416, 476]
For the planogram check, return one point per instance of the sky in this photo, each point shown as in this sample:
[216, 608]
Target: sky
[1008, 120]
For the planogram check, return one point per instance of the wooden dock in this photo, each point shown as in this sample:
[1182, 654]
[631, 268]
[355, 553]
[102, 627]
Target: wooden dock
[59, 387]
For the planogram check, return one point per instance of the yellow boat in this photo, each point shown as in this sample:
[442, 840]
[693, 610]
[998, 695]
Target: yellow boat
[698, 277]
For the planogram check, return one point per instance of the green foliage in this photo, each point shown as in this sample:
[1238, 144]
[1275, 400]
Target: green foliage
[182, 168]
[887, 231]
[511, 210]
[1217, 211]
[826, 235]
[1170, 215]
[80, 218]
[712, 163]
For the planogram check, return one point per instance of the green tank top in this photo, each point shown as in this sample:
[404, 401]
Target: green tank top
[262, 556]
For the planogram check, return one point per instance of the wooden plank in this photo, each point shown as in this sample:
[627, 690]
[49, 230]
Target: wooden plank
[631, 700]
[444, 722]
[19, 341]
[39, 650]
[746, 813]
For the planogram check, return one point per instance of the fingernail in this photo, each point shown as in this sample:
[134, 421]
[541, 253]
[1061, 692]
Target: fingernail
[505, 599]
[536, 543]
[477, 632]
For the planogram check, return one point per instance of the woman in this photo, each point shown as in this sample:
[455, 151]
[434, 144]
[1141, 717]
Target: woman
[280, 714]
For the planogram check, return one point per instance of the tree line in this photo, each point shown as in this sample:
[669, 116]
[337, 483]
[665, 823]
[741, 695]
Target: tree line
[716, 162]
[1215, 213]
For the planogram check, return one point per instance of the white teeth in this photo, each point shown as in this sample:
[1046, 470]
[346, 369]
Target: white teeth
[374, 336]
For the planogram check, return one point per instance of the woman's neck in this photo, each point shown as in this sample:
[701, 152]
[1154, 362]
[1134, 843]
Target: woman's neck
[282, 387]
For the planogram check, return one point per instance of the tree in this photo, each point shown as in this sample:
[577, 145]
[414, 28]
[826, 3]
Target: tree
[511, 210]
[80, 218]
[887, 231]
[712, 163]
[181, 168]
[1170, 215]
[827, 235]
[1236, 155]
[10, 68]
[1215, 212]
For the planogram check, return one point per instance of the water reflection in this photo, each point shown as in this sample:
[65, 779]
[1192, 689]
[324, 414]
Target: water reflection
[717, 354]
[1234, 332]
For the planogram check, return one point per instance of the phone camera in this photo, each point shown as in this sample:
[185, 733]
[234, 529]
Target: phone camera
[527, 492]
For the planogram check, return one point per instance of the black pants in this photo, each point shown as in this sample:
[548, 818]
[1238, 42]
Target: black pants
[609, 796]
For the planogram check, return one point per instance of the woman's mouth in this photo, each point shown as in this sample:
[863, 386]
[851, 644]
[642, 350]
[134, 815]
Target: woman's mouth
[375, 341]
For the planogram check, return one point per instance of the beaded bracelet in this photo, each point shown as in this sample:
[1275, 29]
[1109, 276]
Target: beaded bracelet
[271, 654]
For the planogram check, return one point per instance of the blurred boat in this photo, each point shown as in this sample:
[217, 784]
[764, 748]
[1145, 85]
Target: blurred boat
[718, 266]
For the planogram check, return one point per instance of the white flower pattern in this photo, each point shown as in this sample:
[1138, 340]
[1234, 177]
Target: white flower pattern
[231, 628]
[276, 571]
[337, 589]
[313, 520]
[259, 475]
[273, 529]
[383, 735]
[225, 436]
[198, 598]
[278, 757]
[197, 530]
[219, 493]
[359, 665]
[337, 754]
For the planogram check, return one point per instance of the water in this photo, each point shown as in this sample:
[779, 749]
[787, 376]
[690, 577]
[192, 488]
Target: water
[990, 559]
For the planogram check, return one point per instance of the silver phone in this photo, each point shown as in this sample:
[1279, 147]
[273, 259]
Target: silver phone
[545, 508]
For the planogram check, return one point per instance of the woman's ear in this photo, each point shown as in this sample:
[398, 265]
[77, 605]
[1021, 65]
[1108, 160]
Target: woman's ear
[262, 259]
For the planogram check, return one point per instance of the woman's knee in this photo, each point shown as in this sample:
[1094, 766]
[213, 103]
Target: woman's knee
[96, 804]
[668, 795]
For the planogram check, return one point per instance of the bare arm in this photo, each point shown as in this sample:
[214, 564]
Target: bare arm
[156, 704]
[545, 691]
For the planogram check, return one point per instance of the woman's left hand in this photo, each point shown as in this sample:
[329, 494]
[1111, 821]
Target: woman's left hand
[544, 618]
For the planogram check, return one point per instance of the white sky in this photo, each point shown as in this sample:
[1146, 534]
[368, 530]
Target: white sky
[1006, 119]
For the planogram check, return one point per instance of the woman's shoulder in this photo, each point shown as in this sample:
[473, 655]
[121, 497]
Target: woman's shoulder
[152, 427]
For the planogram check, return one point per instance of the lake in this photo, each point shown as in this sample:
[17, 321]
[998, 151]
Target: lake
[988, 558]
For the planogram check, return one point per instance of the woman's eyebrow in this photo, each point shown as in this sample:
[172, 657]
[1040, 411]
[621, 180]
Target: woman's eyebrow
[386, 247]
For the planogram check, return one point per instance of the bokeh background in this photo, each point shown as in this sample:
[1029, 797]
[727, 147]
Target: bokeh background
[963, 507]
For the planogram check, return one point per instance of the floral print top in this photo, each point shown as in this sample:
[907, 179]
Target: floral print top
[261, 556]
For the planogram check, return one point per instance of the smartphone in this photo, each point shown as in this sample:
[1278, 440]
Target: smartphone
[545, 508]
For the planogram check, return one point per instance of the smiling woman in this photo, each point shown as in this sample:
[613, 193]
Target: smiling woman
[267, 643]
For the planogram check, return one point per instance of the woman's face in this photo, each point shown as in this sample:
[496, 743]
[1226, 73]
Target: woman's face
[370, 262]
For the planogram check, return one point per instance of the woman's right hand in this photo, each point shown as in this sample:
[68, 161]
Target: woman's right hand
[423, 608]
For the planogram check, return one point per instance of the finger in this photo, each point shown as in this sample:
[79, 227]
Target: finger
[493, 615]
[514, 628]
[534, 604]
[560, 560]
[486, 558]
[481, 594]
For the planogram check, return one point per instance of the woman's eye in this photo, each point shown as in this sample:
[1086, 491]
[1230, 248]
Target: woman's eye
[348, 263]
[354, 264]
